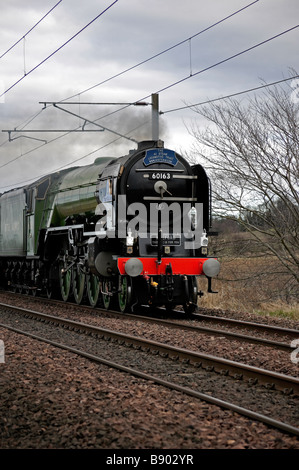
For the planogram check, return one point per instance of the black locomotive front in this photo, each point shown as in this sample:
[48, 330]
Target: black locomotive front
[154, 218]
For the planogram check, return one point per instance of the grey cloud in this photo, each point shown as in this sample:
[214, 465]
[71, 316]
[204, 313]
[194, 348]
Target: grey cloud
[129, 33]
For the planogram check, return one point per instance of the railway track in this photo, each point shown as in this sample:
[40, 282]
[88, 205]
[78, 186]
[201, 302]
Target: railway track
[277, 331]
[187, 371]
[285, 335]
[232, 322]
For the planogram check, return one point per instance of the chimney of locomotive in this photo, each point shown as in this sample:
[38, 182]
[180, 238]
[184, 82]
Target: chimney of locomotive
[149, 144]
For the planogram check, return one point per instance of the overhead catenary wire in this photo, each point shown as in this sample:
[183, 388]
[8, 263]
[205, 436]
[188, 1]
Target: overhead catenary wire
[132, 130]
[220, 98]
[73, 161]
[29, 31]
[173, 84]
[188, 77]
[58, 49]
[25, 123]
[163, 52]
[177, 82]
[226, 60]
[149, 59]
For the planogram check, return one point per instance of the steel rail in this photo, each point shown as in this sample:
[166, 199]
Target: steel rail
[218, 364]
[207, 398]
[203, 329]
[262, 326]
[230, 334]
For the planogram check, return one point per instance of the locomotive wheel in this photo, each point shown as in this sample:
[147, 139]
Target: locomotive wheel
[49, 290]
[125, 293]
[93, 289]
[107, 299]
[78, 277]
[65, 281]
[191, 294]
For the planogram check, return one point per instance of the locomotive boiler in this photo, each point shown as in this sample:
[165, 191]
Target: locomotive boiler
[120, 232]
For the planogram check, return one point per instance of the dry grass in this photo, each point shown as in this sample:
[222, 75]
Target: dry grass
[255, 285]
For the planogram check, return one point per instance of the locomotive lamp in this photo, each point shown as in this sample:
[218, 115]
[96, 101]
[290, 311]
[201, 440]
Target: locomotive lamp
[130, 242]
[204, 239]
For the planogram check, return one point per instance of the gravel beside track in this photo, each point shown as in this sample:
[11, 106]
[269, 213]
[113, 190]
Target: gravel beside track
[54, 399]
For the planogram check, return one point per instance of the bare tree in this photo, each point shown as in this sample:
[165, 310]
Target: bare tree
[251, 153]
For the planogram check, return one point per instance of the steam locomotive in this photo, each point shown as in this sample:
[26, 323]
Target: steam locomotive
[120, 232]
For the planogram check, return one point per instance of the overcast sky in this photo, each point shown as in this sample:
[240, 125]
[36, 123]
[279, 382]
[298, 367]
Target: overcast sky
[127, 33]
